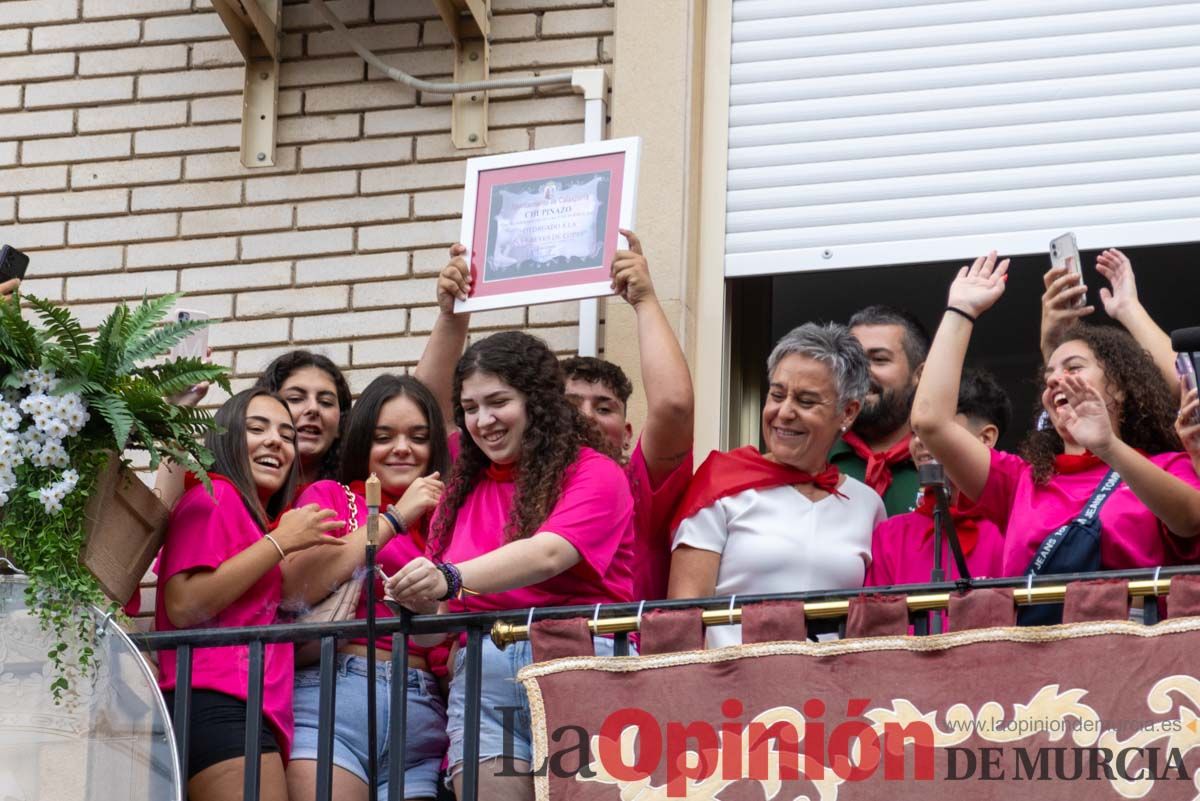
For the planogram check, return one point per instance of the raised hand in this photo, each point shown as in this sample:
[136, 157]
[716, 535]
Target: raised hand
[417, 583]
[421, 496]
[9, 287]
[1116, 267]
[307, 526]
[977, 288]
[1063, 301]
[631, 272]
[454, 282]
[1086, 416]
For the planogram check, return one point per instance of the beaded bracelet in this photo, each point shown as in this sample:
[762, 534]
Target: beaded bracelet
[453, 580]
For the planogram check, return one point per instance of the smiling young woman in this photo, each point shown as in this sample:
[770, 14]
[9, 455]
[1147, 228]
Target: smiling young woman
[537, 512]
[1109, 411]
[395, 432]
[220, 567]
[318, 396]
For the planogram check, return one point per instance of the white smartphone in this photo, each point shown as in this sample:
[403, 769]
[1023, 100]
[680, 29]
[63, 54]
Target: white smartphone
[195, 345]
[1064, 252]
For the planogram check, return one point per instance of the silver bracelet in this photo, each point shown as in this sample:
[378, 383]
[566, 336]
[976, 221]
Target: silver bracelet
[272, 540]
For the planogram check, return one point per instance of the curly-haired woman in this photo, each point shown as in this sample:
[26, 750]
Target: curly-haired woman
[319, 399]
[1111, 417]
[535, 513]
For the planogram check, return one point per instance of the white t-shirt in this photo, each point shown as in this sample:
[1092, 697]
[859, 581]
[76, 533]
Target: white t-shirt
[777, 540]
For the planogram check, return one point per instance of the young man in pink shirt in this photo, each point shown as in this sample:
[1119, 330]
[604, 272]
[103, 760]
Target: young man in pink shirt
[660, 464]
[902, 546]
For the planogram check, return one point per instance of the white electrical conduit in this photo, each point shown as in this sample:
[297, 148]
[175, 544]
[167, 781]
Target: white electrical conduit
[430, 86]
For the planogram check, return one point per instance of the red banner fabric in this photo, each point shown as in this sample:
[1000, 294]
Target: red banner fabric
[1096, 710]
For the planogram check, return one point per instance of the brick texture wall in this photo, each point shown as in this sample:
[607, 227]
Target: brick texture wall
[120, 173]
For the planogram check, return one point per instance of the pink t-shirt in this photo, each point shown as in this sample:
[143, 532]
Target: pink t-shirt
[902, 552]
[1131, 536]
[205, 531]
[653, 507]
[594, 513]
[398, 552]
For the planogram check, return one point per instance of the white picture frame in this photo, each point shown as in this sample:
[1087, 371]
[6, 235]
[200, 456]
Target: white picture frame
[596, 176]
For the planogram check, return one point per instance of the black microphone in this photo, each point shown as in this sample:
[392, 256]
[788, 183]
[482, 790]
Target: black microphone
[931, 474]
[1186, 340]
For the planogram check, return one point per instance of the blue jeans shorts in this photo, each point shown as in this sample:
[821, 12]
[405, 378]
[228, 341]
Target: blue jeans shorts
[504, 723]
[426, 740]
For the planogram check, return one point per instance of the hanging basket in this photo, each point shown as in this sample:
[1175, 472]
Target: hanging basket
[125, 524]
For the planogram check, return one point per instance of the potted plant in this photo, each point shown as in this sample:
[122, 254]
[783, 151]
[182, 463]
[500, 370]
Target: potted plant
[71, 406]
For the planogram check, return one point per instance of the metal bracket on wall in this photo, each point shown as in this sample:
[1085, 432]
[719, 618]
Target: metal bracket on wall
[256, 28]
[469, 23]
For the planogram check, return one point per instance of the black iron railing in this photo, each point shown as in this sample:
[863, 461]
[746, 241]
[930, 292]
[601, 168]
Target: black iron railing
[825, 610]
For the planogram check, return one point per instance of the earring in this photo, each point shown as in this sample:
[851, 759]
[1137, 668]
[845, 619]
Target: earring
[845, 429]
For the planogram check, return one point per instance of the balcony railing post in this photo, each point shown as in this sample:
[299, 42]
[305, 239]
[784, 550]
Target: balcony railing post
[398, 708]
[474, 690]
[254, 697]
[183, 709]
[326, 709]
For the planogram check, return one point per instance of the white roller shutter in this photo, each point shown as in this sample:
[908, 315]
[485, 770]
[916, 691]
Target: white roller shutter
[869, 132]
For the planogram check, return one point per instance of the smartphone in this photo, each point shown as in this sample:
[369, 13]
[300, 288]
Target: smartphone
[1187, 371]
[13, 263]
[1064, 252]
[196, 343]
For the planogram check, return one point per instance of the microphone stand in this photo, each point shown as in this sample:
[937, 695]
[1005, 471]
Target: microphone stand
[373, 498]
[933, 478]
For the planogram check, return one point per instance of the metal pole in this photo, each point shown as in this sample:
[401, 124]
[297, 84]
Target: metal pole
[373, 497]
[595, 109]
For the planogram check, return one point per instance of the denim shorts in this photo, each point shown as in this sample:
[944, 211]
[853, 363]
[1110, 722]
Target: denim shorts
[426, 740]
[504, 723]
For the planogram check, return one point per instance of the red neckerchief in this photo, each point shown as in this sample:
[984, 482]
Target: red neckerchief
[190, 480]
[1076, 463]
[964, 515]
[879, 474]
[386, 501]
[501, 472]
[725, 474]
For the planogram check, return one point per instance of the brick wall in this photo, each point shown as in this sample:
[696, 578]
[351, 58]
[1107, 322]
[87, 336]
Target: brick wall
[120, 173]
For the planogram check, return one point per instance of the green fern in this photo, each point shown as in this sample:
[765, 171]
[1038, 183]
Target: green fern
[157, 342]
[65, 329]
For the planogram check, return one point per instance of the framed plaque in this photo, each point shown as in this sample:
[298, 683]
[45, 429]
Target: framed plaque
[542, 225]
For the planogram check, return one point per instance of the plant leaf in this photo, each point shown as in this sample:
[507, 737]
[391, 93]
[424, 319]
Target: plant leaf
[116, 412]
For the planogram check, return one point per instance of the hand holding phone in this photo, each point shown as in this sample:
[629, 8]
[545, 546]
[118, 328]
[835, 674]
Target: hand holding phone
[1064, 253]
[13, 264]
[195, 345]
[1187, 373]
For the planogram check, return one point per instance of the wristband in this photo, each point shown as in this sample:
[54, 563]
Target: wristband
[274, 542]
[960, 312]
[453, 580]
[395, 519]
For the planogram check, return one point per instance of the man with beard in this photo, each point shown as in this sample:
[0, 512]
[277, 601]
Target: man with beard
[875, 449]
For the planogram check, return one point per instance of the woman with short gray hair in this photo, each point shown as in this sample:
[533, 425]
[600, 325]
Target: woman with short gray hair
[786, 520]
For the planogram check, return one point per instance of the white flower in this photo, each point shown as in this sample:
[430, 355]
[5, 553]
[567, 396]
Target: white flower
[53, 455]
[51, 501]
[70, 479]
[10, 419]
[56, 429]
[3, 497]
[8, 441]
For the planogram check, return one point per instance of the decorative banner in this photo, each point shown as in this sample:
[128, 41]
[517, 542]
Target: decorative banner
[1099, 710]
